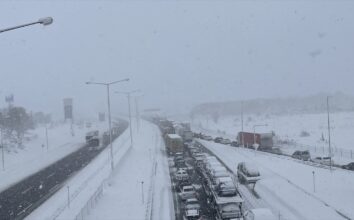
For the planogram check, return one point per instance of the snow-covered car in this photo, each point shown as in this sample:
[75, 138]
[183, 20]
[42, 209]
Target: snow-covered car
[208, 138]
[225, 141]
[349, 166]
[187, 192]
[259, 214]
[247, 173]
[323, 160]
[181, 174]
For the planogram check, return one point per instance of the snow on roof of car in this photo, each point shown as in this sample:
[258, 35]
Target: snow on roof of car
[225, 179]
[225, 200]
[251, 168]
[192, 200]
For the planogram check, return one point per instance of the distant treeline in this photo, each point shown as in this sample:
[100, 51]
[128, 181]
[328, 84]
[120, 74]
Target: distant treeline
[291, 105]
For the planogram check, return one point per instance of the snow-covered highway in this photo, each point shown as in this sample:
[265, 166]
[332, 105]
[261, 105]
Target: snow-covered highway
[287, 186]
[145, 162]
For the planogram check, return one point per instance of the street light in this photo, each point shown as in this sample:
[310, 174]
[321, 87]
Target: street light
[254, 133]
[109, 111]
[44, 21]
[130, 114]
[137, 111]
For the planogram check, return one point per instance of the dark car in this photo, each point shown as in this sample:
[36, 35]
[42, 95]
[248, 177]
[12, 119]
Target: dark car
[218, 139]
[349, 166]
[234, 144]
[180, 184]
[301, 155]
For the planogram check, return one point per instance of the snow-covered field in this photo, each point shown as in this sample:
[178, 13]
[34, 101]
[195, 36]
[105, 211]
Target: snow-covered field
[287, 185]
[289, 128]
[34, 156]
[121, 191]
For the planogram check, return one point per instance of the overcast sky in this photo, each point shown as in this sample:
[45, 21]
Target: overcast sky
[179, 53]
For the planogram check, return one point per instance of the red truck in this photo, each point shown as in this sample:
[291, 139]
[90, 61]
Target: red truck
[247, 139]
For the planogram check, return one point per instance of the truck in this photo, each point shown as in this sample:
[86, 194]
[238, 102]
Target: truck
[174, 143]
[92, 138]
[184, 131]
[247, 139]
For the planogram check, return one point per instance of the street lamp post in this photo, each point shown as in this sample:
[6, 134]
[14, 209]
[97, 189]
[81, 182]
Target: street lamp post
[43, 21]
[109, 111]
[130, 114]
[137, 111]
[329, 136]
[254, 133]
[314, 182]
[2, 150]
[242, 139]
[46, 136]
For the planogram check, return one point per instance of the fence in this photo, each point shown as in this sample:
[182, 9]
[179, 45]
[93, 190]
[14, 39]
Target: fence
[85, 210]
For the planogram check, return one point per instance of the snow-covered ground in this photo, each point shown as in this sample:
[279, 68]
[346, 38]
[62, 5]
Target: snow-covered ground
[289, 128]
[34, 156]
[287, 185]
[120, 192]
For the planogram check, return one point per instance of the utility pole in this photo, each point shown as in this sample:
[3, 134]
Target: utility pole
[314, 182]
[130, 121]
[142, 191]
[46, 136]
[329, 136]
[137, 114]
[68, 196]
[130, 114]
[109, 113]
[2, 150]
[242, 139]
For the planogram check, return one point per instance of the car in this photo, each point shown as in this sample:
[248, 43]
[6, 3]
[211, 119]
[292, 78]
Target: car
[276, 150]
[247, 173]
[180, 184]
[192, 208]
[192, 203]
[225, 187]
[259, 214]
[349, 166]
[234, 144]
[225, 141]
[208, 138]
[187, 192]
[218, 139]
[181, 175]
[323, 160]
[301, 155]
[180, 162]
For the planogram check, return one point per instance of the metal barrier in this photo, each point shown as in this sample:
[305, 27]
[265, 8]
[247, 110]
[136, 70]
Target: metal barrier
[85, 210]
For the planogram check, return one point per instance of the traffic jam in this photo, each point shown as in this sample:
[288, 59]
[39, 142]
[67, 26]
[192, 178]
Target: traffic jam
[203, 187]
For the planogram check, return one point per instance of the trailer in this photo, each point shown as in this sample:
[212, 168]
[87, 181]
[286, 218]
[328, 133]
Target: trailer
[247, 139]
[174, 143]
